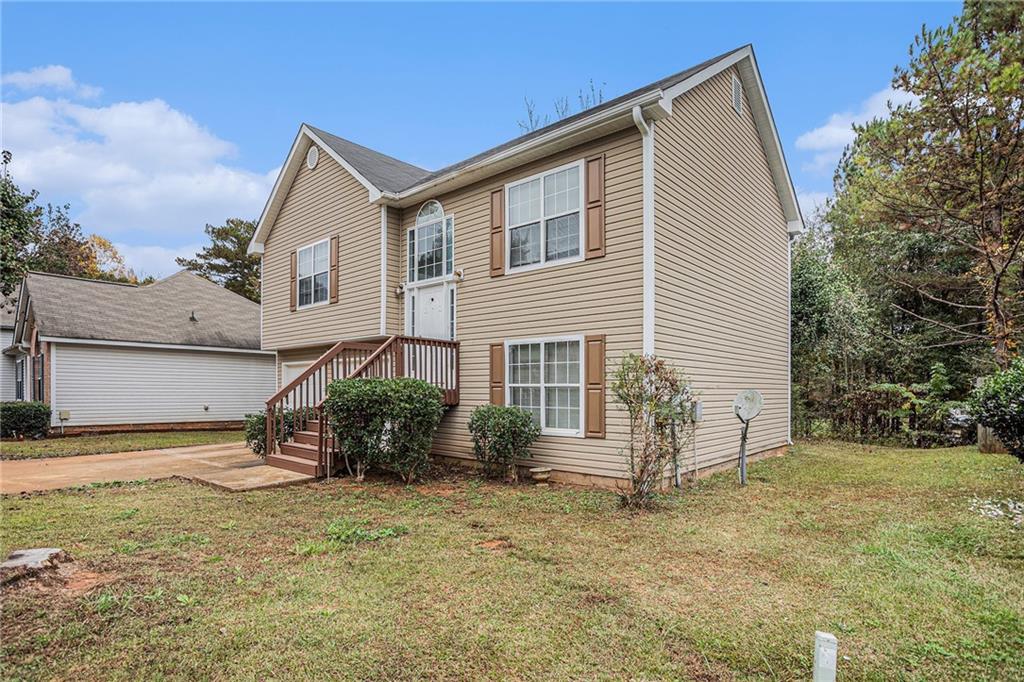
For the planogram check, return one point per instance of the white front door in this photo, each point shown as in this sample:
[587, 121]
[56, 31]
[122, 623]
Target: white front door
[430, 312]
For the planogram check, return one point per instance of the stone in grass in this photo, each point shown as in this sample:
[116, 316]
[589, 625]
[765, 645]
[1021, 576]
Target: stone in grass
[22, 563]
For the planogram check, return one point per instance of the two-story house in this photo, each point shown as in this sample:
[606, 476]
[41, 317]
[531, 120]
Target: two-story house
[657, 222]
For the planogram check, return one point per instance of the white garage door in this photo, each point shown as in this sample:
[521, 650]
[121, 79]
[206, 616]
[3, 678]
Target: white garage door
[117, 385]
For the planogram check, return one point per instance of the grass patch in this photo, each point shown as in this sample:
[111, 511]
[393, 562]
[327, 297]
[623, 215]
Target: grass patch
[888, 549]
[114, 442]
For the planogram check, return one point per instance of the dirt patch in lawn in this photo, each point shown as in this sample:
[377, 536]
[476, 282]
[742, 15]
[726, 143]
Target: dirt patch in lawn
[495, 545]
[66, 580]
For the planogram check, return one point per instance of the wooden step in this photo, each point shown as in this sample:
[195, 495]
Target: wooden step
[301, 450]
[313, 425]
[310, 438]
[297, 464]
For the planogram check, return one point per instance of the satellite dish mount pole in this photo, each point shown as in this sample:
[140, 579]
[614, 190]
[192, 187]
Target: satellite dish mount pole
[743, 451]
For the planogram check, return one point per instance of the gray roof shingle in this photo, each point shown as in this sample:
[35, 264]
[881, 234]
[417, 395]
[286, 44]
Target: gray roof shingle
[391, 175]
[386, 173]
[71, 307]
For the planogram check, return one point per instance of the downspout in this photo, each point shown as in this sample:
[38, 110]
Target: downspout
[647, 135]
[789, 336]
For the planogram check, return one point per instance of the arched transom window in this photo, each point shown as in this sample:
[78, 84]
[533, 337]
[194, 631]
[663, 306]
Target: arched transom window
[431, 244]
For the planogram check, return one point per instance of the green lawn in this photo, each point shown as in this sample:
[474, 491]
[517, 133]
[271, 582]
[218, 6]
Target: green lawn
[462, 579]
[114, 442]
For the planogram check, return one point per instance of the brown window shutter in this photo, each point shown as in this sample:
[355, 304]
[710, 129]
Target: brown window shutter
[497, 233]
[334, 270]
[595, 207]
[594, 385]
[497, 374]
[291, 287]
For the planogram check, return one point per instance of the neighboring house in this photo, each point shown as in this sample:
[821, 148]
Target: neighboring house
[11, 370]
[179, 353]
[657, 222]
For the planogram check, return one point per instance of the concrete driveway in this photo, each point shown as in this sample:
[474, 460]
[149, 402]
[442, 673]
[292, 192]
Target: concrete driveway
[230, 466]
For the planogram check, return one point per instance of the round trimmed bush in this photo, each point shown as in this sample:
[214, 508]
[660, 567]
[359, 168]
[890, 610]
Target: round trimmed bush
[999, 404]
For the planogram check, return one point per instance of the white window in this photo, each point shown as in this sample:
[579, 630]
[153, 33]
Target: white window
[545, 378]
[431, 244]
[737, 95]
[544, 218]
[313, 273]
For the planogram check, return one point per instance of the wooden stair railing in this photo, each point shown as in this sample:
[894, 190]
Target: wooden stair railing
[302, 395]
[433, 360]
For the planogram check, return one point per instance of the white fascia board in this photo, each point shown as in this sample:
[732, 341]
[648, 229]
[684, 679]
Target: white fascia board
[621, 111]
[284, 181]
[750, 76]
[141, 344]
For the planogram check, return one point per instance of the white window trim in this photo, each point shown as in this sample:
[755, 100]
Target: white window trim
[544, 263]
[443, 277]
[583, 403]
[312, 275]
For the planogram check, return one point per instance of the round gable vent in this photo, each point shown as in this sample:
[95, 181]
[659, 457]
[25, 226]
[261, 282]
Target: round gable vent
[312, 156]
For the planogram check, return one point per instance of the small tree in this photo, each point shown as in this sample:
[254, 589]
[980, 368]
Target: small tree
[226, 260]
[999, 404]
[660, 404]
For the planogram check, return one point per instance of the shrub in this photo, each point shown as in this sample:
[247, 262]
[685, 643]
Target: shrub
[660, 404]
[256, 431]
[24, 418]
[386, 423]
[998, 403]
[501, 435]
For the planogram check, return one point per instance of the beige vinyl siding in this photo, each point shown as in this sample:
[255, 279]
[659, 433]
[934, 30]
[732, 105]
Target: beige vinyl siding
[721, 267]
[396, 270]
[322, 203]
[127, 385]
[601, 296]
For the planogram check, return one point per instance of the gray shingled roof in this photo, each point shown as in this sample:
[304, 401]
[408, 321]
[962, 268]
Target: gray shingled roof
[76, 308]
[391, 175]
[386, 173]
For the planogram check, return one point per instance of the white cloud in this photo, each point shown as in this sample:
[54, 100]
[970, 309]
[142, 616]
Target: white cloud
[52, 77]
[157, 261]
[826, 142]
[131, 169]
[810, 202]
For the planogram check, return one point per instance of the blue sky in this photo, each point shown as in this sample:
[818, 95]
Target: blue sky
[154, 119]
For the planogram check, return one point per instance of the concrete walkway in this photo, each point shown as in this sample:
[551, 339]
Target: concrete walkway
[229, 466]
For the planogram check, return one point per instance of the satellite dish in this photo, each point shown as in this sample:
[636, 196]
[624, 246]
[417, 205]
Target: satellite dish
[747, 405]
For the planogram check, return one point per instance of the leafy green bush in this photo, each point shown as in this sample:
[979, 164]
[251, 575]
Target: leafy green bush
[384, 423]
[501, 435]
[24, 418]
[998, 403]
[256, 431]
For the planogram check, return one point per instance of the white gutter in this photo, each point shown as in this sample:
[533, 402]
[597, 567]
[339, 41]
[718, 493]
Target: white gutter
[146, 344]
[647, 134]
[646, 99]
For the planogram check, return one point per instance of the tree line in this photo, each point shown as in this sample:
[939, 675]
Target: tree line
[908, 284]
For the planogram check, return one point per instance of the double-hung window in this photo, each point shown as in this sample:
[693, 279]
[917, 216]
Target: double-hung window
[545, 379]
[544, 217]
[431, 244]
[314, 267]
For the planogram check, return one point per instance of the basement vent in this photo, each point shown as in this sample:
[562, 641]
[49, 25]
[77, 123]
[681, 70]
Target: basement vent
[312, 156]
[737, 95]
